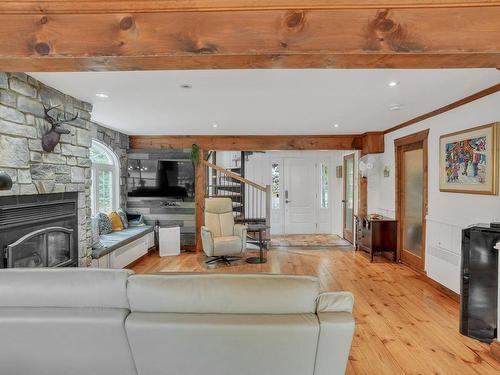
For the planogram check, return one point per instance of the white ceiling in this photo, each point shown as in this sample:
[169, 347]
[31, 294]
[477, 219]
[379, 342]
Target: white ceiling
[266, 101]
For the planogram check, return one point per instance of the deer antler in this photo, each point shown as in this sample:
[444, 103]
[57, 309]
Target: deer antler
[55, 122]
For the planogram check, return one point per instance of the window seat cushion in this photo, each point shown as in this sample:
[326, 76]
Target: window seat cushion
[115, 240]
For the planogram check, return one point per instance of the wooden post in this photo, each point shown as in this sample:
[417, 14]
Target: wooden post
[199, 192]
[363, 196]
[362, 192]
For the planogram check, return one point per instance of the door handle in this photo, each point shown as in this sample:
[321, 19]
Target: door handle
[287, 201]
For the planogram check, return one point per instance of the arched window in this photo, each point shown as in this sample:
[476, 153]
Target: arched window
[105, 178]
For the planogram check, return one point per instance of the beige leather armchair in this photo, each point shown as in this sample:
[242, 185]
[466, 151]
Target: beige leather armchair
[222, 239]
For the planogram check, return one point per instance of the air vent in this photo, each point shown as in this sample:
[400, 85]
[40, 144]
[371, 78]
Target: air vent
[35, 212]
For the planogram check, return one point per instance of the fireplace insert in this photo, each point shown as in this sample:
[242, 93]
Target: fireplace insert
[39, 230]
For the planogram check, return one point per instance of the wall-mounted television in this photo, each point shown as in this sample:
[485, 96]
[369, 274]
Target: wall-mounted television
[161, 178]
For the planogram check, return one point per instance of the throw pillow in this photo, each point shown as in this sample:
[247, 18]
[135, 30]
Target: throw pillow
[105, 226]
[116, 221]
[123, 216]
[136, 220]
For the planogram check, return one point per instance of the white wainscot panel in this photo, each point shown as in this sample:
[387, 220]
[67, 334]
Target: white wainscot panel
[444, 241]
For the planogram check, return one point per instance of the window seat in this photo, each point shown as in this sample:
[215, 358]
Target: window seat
[120, 248]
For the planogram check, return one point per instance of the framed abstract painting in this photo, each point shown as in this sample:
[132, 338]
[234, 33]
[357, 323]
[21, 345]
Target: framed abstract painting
[469, 161]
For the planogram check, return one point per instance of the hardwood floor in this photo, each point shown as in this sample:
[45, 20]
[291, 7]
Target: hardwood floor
[403, 324]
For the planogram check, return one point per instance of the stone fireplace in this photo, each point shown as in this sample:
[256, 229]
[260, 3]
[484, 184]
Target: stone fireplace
[39, 230]
[66, 170]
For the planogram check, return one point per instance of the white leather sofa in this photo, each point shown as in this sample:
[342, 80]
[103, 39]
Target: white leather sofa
[88, 321]
[64, 321]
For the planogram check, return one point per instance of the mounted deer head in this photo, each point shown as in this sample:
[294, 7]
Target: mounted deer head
[53, 136]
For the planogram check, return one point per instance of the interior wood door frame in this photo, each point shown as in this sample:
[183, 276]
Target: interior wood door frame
[349, 237]
[399, 146]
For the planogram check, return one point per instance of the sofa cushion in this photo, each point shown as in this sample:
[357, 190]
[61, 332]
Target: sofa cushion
[115, 240]
[228, 344]
[63, 287]
[223, 293]
[64, 341]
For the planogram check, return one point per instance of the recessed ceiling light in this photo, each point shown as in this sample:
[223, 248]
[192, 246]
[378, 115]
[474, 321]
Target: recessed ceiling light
[393, 84]
[335, 125]
[186, 86]
[395, 107]
[102, 95]
[214, 125]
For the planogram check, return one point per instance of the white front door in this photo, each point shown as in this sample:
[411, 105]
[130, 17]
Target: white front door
[300, 196]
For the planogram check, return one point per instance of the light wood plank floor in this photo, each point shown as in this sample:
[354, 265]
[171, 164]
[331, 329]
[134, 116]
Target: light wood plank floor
[403, 324]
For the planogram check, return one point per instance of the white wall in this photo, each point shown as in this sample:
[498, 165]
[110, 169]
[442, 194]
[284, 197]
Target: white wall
[228, 159]
[448, 212]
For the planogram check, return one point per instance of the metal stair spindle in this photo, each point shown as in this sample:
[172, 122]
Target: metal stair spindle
[249, 198]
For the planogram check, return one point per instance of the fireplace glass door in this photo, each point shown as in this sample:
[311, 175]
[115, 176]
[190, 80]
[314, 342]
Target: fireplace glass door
[50, 247]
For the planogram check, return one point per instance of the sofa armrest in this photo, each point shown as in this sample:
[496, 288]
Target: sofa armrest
[336, 330]
[207, 239]
[335, 302]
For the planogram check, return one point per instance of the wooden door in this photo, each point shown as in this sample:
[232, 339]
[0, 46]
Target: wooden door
[411, 198]
[348, 198]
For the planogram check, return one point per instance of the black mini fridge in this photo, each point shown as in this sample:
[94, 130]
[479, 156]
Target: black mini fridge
[479, 284]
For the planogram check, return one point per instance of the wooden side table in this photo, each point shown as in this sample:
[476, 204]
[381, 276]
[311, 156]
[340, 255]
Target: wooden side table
[376, 235]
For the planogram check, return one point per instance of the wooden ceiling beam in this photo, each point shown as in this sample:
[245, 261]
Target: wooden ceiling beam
[371, 142]
[151, 6]
[357, 38]
[265, 61]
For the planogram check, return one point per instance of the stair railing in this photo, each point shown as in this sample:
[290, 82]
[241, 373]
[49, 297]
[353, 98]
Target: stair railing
[251, 201]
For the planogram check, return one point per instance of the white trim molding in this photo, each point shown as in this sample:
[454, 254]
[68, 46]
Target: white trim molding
[114, 168]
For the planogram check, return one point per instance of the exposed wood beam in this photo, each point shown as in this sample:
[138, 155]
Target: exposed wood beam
[478, 95]
[403, 37]
[369, 142]
[265, 61]
[146, 6]
[248, 142]
[199, 191]
[372, 143]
